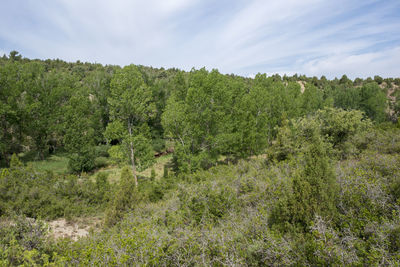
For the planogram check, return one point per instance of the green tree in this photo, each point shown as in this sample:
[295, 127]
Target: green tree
[131, 104]
[200, 119]
[337, 127]
[15, 56]
[97, 85]
[311, 99]
[346, 97]
[378, 79]
[373, 101]
[79, 132]
[10, 115]
[345, 80]
[44, 102]
[253, 118]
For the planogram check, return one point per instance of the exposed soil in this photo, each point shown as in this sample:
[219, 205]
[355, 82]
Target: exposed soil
[61, 228]
[302, 86]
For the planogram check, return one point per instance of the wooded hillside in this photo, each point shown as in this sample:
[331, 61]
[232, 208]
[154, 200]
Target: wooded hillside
[198, 167]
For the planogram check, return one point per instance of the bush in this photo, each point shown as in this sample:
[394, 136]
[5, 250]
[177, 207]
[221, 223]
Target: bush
[337, 127]
[395, 189]
[394, 239]
[117, 155]
[158, 144]
[44, 195]
[103, 187]
[313, 190]
[23, 241]
[156, 192]
[100, 162]
[125, 198]
[83, 161]
[102, 151]
[207, 204]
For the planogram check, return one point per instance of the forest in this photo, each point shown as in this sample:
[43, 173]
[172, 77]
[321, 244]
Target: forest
[165, 167]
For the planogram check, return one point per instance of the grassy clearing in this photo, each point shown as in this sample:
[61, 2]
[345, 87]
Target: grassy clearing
[57, 163]
[114, 172]
[158, 167]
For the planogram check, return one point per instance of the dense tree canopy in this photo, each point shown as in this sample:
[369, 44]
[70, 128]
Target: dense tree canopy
[206, 114]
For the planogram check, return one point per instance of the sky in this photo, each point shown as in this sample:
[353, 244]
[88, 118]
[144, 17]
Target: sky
[244, 37]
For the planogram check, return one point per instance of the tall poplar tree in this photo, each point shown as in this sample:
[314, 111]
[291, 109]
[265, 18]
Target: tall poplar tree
[131, 105]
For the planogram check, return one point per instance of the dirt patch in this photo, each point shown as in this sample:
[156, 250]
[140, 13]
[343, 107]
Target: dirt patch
[261, 156]
[391, 95]
[302, 86]
[61, 228]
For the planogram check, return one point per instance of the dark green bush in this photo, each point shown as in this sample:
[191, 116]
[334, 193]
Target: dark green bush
[158, 144]
[125, 198]
[82, 162]
[156, 192]
[207, 204]
[102, 151]
[101, 162]
[312, 185]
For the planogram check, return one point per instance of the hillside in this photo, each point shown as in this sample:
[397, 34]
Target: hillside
[110, 166]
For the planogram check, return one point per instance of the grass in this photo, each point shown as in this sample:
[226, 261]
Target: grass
[158, 166]
[114, 172]
[57, 163]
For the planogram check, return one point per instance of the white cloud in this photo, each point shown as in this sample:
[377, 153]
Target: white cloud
[384, 63]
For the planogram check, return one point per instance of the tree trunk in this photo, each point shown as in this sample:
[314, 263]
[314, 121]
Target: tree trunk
[132, 153]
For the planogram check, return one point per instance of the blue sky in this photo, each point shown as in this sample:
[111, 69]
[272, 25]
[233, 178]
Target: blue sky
[312, 37]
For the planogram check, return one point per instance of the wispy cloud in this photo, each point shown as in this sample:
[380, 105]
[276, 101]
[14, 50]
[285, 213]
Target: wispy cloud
[312, 37]
[384, 63]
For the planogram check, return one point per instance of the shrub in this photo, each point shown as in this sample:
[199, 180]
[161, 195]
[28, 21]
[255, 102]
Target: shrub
[124, 198]
[23, 242]
[103, 187]
[83, 161]
[117, 154]
[102, 151]
[44, 195]
[165, 175]
[337, 127]
[158, 144]
[313, 190]
[100, 162]
[156, 192]
[207, 204]
[394, 239]
[395, 189]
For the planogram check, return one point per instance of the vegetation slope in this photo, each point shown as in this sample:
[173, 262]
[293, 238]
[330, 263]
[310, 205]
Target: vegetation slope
[258, 171]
